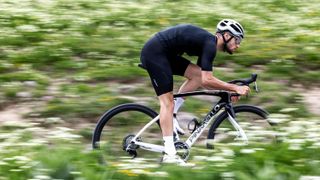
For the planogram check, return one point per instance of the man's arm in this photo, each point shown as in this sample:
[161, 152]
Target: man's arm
[211, 82]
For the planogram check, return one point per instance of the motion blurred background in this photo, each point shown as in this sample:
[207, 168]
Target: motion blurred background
[63, 63]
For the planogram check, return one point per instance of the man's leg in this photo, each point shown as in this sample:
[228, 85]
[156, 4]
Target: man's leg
[193, 82]
[166, 109]
[155, 59]
[166, 116]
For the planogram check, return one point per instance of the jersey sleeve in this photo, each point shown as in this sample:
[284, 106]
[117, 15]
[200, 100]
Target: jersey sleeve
[208, 54]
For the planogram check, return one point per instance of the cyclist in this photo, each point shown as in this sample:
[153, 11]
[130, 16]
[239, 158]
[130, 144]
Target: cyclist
[162, 57]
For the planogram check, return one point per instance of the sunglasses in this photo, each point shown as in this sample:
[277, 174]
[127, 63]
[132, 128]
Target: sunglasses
[237, 39]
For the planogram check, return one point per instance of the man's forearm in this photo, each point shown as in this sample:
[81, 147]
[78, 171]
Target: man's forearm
[215, 83]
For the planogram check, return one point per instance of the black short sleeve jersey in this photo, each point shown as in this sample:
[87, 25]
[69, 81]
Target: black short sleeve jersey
[192, 40]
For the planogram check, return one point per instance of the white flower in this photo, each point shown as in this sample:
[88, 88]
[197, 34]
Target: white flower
[28, 28]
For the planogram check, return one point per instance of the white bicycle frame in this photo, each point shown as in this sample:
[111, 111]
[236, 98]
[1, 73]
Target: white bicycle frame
[194, 136]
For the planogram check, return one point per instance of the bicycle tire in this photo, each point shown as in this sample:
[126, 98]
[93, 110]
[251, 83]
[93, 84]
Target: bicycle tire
[108, 115]
[261, 115]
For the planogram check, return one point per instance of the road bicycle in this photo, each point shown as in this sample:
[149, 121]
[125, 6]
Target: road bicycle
[118, 131]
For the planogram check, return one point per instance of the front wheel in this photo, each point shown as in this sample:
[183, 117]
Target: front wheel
[253, 120]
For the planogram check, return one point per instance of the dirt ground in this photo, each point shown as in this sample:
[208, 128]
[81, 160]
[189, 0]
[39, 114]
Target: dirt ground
[16, 112]
[312, 100]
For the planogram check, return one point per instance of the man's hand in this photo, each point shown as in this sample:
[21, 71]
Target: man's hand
[242, 90]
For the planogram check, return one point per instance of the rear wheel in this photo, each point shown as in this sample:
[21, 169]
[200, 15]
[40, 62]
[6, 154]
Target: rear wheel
[118, 125]
[253, 120]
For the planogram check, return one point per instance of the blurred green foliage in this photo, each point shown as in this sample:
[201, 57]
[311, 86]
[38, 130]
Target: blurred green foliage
[81, 56]
[60, 34]
[67, 160]
[99, 42]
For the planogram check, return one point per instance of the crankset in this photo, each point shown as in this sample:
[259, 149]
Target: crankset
[182, 149]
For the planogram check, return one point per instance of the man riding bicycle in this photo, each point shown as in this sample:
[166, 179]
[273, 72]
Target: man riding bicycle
[162, 57]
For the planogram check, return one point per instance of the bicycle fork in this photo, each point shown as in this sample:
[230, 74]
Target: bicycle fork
[240, 132]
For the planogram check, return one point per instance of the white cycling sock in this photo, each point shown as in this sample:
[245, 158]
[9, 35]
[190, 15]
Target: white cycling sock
[177, 104]
[169, 145]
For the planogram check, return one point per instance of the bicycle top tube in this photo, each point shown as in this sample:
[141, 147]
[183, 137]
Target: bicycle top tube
[207, 92]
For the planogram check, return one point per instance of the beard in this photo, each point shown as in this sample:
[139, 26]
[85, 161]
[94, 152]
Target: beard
[227, 49]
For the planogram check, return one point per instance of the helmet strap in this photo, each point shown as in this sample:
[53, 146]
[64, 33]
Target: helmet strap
[225, 43]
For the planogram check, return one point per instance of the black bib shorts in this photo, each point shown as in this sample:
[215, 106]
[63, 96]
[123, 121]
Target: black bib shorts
[161, 65]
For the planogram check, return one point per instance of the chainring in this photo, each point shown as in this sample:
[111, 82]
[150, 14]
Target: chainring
[182, 149]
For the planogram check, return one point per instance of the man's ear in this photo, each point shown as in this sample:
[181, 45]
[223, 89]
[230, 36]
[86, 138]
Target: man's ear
[226, 35]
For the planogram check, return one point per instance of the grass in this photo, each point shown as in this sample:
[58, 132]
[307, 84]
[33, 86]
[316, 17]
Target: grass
[80, 58]
[99, 45]
[67, 160]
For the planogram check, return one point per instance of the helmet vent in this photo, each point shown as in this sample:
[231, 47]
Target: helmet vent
[235, 28]
[238, 25]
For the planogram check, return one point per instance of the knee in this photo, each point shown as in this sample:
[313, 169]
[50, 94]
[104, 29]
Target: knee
[196, 77]
[167, 103]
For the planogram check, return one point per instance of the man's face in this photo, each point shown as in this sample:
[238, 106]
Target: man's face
[234, 43]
